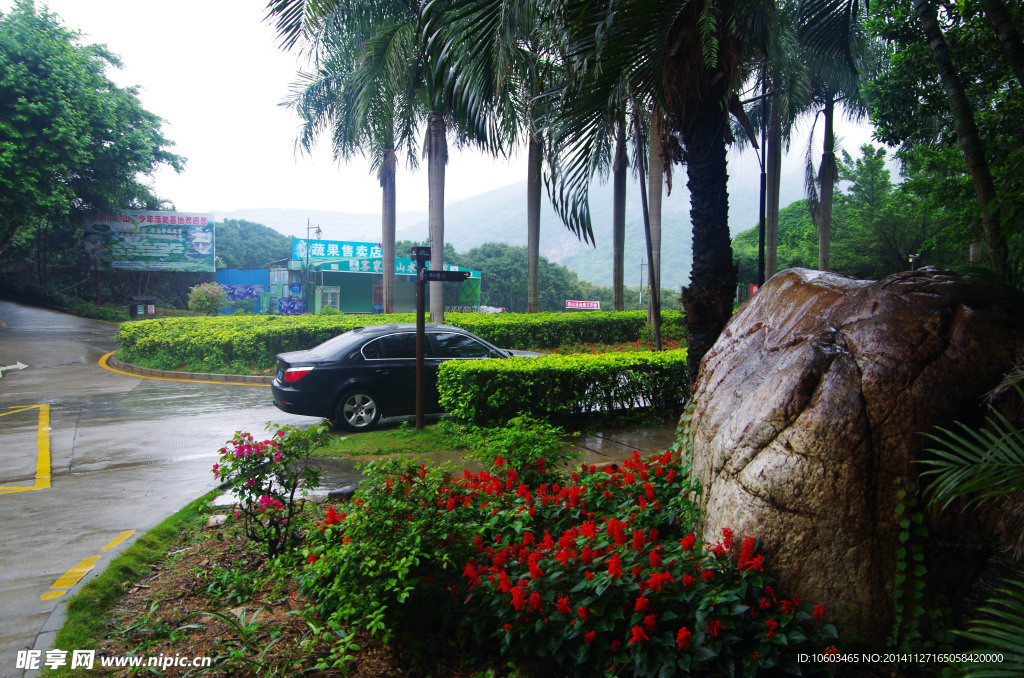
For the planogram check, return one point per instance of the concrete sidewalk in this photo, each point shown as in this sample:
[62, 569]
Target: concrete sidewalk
[619, 444]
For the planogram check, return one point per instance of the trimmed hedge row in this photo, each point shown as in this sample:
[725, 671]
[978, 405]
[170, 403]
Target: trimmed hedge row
[206, 343]
[561, 388]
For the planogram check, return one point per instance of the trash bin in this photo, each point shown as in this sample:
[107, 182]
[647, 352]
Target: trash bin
[142, 308]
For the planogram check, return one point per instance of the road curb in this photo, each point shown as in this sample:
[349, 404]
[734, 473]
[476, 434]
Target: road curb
[242, 379]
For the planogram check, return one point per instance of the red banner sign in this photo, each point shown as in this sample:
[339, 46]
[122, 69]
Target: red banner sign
[584, 305]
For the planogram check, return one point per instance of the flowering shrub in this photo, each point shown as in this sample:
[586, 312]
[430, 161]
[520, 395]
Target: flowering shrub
[207, 298]
[266, 475]
[604, 573]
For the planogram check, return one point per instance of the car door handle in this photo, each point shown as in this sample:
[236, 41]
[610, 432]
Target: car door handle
[383, 371]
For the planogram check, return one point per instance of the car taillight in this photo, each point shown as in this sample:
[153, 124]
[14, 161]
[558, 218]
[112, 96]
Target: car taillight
[296, 373]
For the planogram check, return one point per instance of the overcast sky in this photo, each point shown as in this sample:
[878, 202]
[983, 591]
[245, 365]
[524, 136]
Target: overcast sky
[211, 69]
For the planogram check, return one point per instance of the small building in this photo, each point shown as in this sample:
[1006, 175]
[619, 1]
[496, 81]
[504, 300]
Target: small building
[347, 276]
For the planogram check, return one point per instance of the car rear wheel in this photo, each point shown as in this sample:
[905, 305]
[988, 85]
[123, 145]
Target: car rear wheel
[357, 411]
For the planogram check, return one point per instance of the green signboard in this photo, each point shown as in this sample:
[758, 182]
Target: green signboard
[137, 240]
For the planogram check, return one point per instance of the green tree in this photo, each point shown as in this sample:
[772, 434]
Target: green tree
[245, 244]
[71, 141]
[504, 280]
[972, 102]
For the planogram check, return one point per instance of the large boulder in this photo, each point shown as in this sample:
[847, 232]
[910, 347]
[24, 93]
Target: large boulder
[813, 402]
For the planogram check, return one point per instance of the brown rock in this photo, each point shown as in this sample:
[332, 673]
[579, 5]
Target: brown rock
[811, 405]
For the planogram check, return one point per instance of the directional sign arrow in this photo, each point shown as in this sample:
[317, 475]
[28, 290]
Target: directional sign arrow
[15, 366]
[445, 276]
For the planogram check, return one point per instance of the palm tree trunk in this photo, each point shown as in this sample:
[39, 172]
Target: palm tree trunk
[773, 154]
[827, 173]
[655, 179]
[387, 175]
[966, 130]
[707, 301]
[533, 191]
[620, 170]
[436, 149]
[1009, 38]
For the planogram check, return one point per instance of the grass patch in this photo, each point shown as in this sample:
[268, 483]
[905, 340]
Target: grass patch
[84, 628]
[444, 436]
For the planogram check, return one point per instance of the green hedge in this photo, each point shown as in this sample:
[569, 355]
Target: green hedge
[216, 343]
[560, 388]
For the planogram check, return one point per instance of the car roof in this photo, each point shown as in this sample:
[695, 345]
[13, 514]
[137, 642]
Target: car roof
[404, 327]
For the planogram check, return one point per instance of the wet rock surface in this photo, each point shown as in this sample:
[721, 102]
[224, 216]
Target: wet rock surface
[811, 405]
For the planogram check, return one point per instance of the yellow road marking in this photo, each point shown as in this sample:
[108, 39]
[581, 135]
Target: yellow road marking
[42, 477]
[104, 365]
[117, 540]
[75, 574]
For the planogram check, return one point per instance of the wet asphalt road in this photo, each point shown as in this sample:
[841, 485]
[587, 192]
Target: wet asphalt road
[89, 457]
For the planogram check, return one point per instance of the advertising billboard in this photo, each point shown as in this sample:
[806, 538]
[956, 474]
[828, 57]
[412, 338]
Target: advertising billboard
[137, 240]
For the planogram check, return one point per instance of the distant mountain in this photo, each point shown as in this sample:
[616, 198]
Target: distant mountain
[500, 216]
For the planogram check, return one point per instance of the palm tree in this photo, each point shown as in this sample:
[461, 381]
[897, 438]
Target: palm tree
[834, 50]
[688, 55]
[393, 57]
[330, 100]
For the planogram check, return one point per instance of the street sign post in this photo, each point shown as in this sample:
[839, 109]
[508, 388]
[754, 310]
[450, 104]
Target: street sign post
[423, 276]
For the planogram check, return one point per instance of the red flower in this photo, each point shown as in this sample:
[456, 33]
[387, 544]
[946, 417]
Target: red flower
[639, 636]
[638, 540]
[683, 639]
[564, 607]
[714, 627]
[818, 613]
[831, 651]
[589, 637]
[687, 580]
[518, 598]
[615, 567]
[772, 625]
[688, 542]
[642, 605]
[583, 613]
[312, 558]
[707, 575]
[655, 559]
[535, 603]
[650, 623]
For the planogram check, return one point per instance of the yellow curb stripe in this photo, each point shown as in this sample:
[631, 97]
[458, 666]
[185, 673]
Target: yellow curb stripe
[104, 365]
[118, 539]
[75, 574]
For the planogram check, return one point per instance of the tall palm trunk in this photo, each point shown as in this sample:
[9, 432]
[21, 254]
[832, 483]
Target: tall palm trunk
[656, 179]
[533, 193]
[387, 174]
[966, 130]
[827, 174]
[620, 169]
[773, 158]
[436, 149]
[707, 301]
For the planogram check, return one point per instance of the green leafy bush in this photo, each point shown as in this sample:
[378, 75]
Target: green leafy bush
[605, 571]
[561, 388]
[523, 444]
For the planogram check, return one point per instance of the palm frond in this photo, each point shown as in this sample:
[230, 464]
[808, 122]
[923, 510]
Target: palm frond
[999, 633]
[980, 463]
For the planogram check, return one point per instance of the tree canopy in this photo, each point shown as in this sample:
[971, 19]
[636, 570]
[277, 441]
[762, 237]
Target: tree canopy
[71, 141]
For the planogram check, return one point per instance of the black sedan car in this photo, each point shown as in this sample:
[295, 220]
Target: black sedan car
[357, 377]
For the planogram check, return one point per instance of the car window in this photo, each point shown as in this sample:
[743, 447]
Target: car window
[403, 345]
[454, 345]
[373, 350]
[337, 346]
